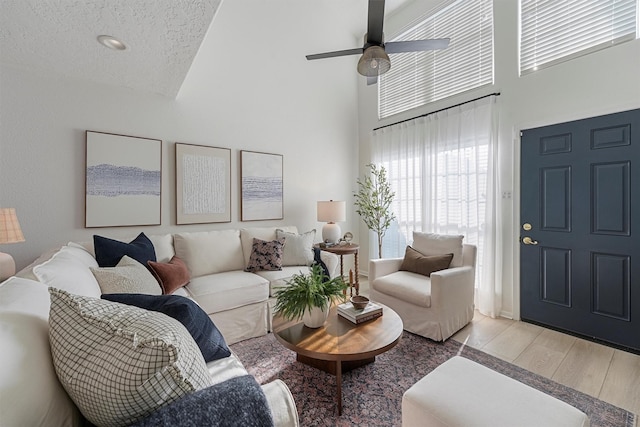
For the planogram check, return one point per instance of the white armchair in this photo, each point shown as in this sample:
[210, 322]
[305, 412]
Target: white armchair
[434, 307]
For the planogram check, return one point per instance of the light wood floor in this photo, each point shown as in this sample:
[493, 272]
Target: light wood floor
[606, 373]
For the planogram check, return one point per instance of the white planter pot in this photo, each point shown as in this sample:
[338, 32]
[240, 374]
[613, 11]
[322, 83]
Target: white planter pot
[315, 317]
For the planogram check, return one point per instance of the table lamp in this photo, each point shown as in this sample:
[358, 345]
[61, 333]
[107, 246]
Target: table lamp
[10, 232]
[331, 212]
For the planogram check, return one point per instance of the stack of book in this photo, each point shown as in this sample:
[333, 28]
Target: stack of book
[348, 311]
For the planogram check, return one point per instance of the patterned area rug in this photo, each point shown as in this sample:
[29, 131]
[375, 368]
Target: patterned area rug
[372, 394]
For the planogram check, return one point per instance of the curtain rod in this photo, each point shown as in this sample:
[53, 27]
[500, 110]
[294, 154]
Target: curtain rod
[437, 111]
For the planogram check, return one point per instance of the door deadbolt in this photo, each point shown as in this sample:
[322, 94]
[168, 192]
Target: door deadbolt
[526, 226]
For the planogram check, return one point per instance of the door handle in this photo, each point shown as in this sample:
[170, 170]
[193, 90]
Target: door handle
[529, 241]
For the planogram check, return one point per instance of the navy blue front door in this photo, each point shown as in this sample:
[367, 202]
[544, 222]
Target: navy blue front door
[580, 220]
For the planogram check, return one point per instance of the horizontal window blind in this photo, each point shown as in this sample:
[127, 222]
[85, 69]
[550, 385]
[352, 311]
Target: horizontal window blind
[417, 78]
[559, 30]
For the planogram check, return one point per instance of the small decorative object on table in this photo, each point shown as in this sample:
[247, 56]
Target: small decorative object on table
[359, 302]
[357, 316]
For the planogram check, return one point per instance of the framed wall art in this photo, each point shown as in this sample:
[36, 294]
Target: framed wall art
[203, 184]
[123, 180]
[261, 186]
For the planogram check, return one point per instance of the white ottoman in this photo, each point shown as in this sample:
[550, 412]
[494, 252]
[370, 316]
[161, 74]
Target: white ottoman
[463, 393]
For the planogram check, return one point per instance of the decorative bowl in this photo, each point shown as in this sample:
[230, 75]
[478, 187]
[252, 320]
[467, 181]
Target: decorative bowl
[359, 302]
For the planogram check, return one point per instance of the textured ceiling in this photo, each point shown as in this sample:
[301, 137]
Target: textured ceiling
[162, 38]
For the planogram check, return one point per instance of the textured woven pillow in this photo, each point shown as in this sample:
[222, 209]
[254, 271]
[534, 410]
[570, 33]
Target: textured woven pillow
[200, 326]
[171, 275]
[266, 255]
[109, 252]
[128, 277]
[120, 363]
[415, 262]
[298, 248]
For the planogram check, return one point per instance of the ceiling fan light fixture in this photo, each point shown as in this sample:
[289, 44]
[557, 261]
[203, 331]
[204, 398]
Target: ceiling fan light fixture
[374, 62]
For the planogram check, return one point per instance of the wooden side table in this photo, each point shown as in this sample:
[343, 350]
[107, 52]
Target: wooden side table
[349, 249]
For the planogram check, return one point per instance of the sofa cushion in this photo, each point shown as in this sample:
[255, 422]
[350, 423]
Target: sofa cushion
[266, 255]
[298, 248]
[68, 269]
[231, 289]
[278, 279]
[109, 251]
[415, 262]
[439, 244]
[128, 277]
[30, 393]
[406, 286]
[170, 275]
[209, 252]
[263, 233]
[204, 332]
[120, 363]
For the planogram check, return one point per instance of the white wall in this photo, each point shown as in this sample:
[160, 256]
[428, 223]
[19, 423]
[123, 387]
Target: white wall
[600, 83]
[242, 93]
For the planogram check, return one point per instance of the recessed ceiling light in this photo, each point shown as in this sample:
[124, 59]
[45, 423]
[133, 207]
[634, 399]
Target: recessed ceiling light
[111, 42]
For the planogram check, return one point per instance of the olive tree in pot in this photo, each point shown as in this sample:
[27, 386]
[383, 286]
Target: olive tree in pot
[373, 202]
[309, 296]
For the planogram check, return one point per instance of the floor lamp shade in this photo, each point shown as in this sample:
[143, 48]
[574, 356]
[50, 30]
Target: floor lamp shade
[331, 212]
[10, 232]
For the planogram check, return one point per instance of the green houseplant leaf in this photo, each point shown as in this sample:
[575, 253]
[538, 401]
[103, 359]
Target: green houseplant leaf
[305, 291]
[373, 202]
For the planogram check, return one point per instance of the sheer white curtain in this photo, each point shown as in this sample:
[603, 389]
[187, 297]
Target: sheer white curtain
[443, 170]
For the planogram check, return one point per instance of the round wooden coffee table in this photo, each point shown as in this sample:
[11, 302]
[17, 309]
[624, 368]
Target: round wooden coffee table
[340, 345]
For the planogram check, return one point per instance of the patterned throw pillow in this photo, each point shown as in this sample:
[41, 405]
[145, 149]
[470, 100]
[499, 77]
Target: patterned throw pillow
[200, 326]
[265, 255]
[128, 277]
[298, 248]
[120, 363]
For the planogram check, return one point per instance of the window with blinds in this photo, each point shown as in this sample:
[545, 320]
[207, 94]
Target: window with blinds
[417, 78]
[559, 30]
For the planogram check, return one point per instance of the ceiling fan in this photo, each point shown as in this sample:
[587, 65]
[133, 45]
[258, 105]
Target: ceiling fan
[375, 59]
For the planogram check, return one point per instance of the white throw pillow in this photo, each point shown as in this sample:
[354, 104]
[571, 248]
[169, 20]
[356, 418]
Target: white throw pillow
[439, 244]
[128, 277]
[209, 252]
[68, 269]
[120, 363]
[298, 248]
[30, 393]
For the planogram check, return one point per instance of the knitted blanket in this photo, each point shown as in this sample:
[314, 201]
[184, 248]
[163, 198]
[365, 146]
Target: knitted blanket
[236, 402]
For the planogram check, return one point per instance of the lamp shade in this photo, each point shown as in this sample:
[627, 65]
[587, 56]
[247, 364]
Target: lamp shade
[10, 231]
[373, 62]
[332, 211]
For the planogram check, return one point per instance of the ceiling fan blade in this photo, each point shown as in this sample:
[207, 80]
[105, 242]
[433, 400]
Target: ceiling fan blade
[416, 45]
[355, 51]
[372, 80]
[374, 23]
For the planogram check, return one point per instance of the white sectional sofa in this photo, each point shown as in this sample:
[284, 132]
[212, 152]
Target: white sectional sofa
[237, 301]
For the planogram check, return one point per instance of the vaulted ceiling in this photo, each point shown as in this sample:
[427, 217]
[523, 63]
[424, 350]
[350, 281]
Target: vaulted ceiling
[162, 36]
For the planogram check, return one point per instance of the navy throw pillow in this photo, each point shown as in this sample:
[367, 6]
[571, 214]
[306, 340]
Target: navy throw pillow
[202, 329]
[109, 251]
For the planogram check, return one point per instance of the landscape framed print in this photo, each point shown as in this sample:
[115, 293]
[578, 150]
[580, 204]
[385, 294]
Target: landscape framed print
[203, 184]
[261, 186]
[123, 180]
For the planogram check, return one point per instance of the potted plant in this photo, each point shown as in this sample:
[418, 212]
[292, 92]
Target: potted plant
[309, 296]
[373, 202]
